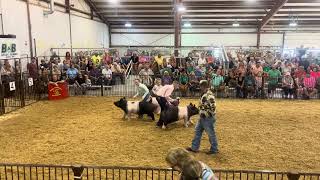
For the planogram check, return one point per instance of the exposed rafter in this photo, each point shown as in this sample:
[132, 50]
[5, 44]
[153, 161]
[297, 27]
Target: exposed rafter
[94, 8]
[271, 13]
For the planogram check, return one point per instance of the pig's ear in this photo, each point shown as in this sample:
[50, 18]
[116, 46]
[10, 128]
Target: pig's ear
[124, 98]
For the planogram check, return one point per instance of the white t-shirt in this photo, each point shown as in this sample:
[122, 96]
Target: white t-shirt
[202, 61]
[107, 73]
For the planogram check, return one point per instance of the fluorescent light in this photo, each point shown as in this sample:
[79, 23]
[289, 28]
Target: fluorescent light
[187, 25]
[181, 8]
[235, 24]
[128, 25]
[113, 1]
[293, 24]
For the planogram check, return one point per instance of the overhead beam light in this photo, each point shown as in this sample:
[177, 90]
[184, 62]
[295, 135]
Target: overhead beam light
[235, 24]
[187, 25]
[181, 8]
[113, 1]
[128, 25]
[293, 24]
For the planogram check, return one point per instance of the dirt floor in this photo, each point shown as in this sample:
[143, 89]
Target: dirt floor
[252, 134]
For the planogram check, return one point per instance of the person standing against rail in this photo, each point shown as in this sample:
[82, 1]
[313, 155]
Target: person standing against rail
[207, 120]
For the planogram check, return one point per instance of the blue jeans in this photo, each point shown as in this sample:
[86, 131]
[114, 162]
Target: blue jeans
[205, 124]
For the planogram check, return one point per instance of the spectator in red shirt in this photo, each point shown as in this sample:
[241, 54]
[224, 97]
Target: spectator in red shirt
[33, 69]
[309, 84]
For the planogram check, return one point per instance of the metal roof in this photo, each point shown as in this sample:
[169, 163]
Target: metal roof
[159, 14]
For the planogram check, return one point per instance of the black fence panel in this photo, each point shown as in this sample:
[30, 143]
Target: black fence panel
[60, 172]
[17, 87]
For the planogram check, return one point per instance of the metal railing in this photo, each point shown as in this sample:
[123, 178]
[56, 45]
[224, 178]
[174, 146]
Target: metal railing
[79, 172]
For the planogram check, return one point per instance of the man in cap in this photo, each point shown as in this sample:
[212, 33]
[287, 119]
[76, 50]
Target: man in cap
[207, 120]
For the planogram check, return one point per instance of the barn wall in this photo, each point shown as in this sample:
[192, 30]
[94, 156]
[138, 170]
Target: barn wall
[53, 30]
[293, 40]
[212, 39]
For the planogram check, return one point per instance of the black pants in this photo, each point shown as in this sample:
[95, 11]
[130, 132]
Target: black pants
[162, 102]
[164, 106]
[287, 91]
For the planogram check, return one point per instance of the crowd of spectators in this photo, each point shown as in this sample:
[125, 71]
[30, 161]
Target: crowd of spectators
[247, 75]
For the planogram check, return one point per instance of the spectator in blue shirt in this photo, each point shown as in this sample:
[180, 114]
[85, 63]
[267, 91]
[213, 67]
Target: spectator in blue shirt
[72, 74]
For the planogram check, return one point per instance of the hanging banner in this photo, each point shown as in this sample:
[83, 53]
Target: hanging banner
[9, 49]
[12, 86]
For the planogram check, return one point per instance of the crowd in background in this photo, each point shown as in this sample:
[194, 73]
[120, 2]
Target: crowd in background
[247, 74]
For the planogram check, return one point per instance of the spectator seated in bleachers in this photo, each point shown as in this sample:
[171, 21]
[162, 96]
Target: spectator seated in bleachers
[107, 75]
[193, 84]
[166, 78]
[249, 85]
[166, 68]
[274, 77]
[190, 68]
[55, 80]
[68, 58]
[95, 75]
[56, 72]
[146, 75]
[7, 72]
[96, 59]
[83, 83]
[217, 82]
[287, 86]
[135, 63]
[117, 72]
[184, 81]
[230, 82]
[33, 69]
[72, 74]
[157, 86]
[309, 84]
[160, 61]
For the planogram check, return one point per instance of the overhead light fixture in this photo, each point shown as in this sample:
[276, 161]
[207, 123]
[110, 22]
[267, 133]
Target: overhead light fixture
[293, 24]
[187, 25]
[181, 8]
[236, 24]
[113, 1]
[128, 25]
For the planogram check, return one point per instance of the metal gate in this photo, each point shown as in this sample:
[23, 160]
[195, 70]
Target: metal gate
[17, 87]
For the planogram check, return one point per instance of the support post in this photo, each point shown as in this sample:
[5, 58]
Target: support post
[109, 36]
[283, 42]
[177, 27]
[67, 3]
[70, 25]
[29, 28]
[258, 39]
[35, 47]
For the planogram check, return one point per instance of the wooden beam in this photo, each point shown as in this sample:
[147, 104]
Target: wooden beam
[271, 13]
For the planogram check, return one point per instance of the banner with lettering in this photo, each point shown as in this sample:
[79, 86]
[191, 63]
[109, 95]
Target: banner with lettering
[9, 49]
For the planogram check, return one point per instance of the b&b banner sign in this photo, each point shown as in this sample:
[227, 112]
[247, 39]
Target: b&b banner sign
[9, 49]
